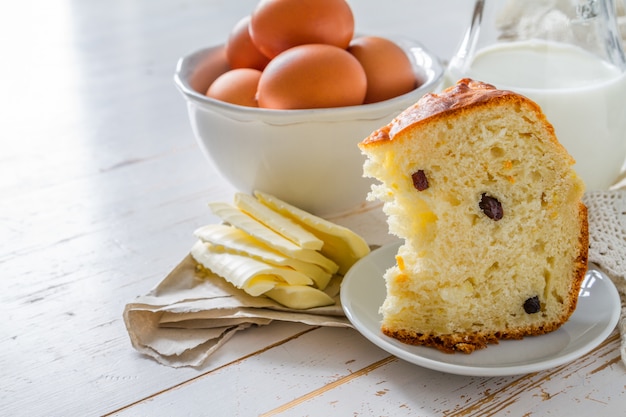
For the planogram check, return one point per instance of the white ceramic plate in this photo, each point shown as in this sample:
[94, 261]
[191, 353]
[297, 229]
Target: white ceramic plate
[363, 291]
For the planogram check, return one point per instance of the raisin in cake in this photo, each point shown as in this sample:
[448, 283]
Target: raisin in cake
[489, 207]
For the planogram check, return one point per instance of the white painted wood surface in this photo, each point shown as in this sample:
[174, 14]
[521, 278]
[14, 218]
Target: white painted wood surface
[101, 185]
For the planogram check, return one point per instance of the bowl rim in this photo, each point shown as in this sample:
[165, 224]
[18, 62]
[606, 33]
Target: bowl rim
[430, 67]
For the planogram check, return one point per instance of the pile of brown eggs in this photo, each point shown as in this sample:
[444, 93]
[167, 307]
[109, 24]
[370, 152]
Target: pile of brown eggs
[302, 54]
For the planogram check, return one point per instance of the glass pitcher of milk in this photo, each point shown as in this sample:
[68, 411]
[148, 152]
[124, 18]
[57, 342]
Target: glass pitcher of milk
[567, 56]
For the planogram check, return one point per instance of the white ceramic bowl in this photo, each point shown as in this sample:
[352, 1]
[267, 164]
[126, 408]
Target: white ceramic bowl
[308, 158]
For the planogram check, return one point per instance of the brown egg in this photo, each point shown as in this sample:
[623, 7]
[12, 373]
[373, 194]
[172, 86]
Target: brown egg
[240, 51]
[312, 76]
[208, 69]
[237, 86]
[388, 68]
[278, 25]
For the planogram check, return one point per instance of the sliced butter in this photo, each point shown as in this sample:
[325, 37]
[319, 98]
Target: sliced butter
[277, 222]
[231, 239]
[341, 244]
[253, 276]
[250, 225]
[299, 296]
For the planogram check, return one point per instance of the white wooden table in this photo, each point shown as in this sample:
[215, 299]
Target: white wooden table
[101, 185]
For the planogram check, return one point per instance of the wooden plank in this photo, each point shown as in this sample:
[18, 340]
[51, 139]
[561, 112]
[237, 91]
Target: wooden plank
[587, 386]
[296, 378]
[271, 378]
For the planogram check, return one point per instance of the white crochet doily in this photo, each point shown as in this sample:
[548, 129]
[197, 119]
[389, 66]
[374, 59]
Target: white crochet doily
[607, 243]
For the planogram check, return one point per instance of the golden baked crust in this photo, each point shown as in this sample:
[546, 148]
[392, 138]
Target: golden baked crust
[581, 262]
[461, 97]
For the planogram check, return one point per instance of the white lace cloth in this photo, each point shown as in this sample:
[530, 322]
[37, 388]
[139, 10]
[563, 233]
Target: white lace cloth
[607, 243]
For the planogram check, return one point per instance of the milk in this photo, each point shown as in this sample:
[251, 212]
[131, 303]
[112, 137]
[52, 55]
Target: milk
[581, 95]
